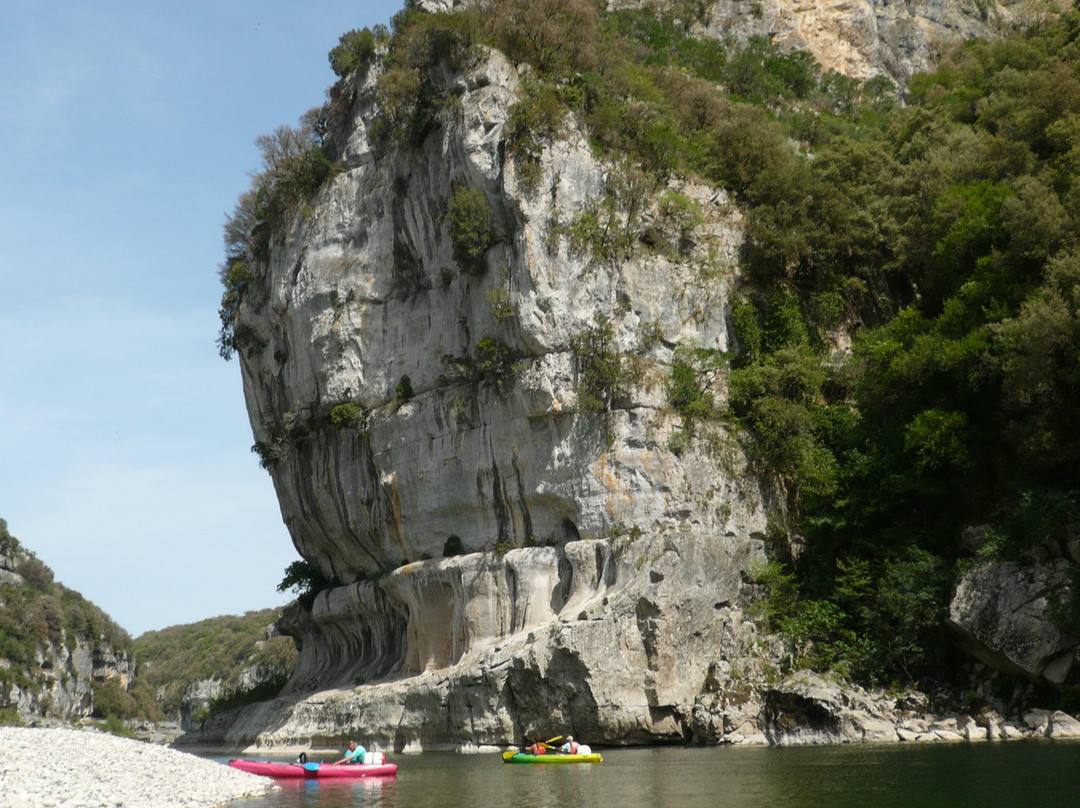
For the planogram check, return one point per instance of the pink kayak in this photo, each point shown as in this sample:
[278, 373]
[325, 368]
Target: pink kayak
[314, 770]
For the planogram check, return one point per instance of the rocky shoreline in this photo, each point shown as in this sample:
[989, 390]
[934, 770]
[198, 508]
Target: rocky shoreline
[424, 713]
[72, 768]
[809, 709]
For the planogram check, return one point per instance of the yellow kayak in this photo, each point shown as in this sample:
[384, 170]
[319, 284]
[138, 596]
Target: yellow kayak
[551, 757]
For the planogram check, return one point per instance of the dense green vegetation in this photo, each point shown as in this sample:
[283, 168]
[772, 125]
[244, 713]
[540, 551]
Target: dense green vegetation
[939, 235]
[217, 648]
[946, 230]
[471, 228]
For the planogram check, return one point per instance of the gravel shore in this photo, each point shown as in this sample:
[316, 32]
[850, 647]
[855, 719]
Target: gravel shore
[70, 768]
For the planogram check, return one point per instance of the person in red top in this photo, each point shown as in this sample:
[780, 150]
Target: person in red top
[570, 747]
[538, 747]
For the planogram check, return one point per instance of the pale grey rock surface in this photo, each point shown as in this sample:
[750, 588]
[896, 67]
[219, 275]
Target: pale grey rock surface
[1063, 725]
[198, 696]
[606, 654]
[1005, 615]
[807, 708]
[867, 38]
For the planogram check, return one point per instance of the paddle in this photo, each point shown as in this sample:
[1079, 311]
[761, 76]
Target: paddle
[548, 743]
[312, 766]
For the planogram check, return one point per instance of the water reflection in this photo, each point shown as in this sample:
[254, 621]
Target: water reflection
[373, 791]
[886, 776]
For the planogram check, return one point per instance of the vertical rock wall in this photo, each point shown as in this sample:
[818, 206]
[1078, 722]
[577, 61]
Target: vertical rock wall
[608, 548]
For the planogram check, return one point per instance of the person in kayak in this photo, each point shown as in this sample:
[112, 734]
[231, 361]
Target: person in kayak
[570, 747]
[355, 754]
[538, 747]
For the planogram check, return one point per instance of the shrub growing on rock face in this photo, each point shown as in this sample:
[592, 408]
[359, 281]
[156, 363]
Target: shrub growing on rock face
[424, 50]
[235, 277]
[599, 366]
[536, 118]
[501, 307]
[493, 361]
[354, 50]
[295, 167]
[472, 231]
[693, 373]
[558, 37]
[306, 580]
[346, 414]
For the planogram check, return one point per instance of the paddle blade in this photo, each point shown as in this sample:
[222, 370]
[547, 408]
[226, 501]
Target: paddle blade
[311, 767]
[509, 753]
[552, 740]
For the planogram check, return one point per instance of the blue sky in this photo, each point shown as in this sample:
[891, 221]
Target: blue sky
[127, 134]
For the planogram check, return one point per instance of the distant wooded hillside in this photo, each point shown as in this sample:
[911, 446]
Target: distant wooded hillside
[62, 657]
[220, 648]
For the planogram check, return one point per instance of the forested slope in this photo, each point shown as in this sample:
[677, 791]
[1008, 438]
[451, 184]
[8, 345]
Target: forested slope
[61, 657]
[241, 654]
[942, 236]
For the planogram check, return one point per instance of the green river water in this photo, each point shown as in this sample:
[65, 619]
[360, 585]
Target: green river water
[983, 775]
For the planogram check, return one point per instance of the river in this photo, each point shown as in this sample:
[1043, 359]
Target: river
[1016, 773]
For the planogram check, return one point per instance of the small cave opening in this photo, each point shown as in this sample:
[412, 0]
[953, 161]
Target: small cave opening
[569, 531]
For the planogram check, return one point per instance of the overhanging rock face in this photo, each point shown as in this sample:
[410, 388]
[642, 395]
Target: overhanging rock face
[638, 643]
[568, 519]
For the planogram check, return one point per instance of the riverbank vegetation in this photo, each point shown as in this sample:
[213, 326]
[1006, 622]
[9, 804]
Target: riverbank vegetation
[941, 235]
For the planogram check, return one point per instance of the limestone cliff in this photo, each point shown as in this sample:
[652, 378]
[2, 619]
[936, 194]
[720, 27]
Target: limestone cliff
[477, 447]
[606, 545]
[857, 38]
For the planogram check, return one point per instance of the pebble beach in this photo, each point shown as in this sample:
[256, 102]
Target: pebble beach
[71, 768]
